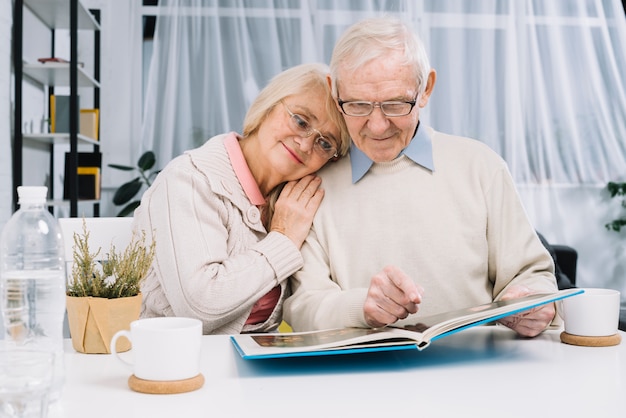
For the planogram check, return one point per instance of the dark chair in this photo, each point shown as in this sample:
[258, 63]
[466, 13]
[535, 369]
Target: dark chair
[565, 260]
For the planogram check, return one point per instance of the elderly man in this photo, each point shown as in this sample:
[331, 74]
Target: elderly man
[415, 222]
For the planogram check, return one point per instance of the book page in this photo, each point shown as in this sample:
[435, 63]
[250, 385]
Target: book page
[434, 325]
[321, 339]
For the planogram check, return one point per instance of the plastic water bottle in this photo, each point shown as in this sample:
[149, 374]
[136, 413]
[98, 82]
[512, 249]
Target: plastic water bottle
[32, 281]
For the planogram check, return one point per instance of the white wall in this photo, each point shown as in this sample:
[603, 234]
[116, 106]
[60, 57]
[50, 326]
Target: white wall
[5, 117]
[120, 93]
[6, 13]
[120, 97]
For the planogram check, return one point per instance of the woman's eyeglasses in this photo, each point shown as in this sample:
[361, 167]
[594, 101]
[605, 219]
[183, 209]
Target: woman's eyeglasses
[322, 145]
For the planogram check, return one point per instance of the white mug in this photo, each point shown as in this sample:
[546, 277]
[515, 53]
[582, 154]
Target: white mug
[594, 313]
[163, 349]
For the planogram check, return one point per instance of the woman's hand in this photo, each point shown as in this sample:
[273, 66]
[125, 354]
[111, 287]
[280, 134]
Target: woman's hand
[295, 208]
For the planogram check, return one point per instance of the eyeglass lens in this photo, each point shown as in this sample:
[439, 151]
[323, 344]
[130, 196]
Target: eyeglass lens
[321, 145]
[391, 108]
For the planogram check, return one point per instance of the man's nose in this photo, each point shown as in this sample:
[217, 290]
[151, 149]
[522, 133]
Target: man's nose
[377, 121]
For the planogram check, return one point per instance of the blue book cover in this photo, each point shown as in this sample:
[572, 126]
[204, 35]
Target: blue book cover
[417, 336]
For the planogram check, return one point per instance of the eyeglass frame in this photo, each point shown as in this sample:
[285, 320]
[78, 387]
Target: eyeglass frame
[295, 126]
[377, 104]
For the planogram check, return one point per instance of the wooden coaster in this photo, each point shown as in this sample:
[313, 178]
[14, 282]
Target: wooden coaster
[165, 387]
[591, 341]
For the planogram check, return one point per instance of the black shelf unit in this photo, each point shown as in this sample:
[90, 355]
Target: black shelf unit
[56, 14]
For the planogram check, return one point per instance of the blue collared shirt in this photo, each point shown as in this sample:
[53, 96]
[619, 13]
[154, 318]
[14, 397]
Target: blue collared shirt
[419, 150]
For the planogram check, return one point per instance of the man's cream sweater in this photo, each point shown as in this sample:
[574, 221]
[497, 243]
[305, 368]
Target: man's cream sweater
[459, 231]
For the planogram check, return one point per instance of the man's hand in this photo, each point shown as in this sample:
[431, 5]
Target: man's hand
[528, 323]
[392, 295]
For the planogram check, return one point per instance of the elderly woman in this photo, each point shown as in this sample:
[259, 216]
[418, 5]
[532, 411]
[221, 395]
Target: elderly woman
[229, 217]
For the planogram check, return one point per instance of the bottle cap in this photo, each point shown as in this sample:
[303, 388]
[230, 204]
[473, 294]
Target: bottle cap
[32, 194]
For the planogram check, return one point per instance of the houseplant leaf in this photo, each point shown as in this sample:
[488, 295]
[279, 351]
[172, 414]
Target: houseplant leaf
[127, 191]
[122, 167]
[146, 161]
[129, 209]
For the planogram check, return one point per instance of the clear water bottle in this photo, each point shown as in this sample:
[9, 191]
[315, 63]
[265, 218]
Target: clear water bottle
[32, 281]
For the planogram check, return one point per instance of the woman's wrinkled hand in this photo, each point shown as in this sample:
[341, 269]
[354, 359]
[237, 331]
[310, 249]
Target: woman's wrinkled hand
[295, 208]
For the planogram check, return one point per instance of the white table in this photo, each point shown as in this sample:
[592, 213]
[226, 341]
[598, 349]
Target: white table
[480, 372]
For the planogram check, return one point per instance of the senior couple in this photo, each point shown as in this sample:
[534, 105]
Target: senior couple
[290, 219]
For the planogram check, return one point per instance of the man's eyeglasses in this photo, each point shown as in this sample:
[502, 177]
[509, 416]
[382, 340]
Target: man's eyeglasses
[390, 108]
[322, 145]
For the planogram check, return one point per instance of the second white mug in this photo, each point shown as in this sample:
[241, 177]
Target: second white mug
[594, 313]
[163, 349]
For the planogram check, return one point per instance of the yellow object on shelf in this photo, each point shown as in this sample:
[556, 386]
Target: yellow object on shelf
[92, 183]
[89, 123]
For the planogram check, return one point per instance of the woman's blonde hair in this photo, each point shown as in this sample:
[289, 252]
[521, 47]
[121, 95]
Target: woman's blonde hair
[301, 79]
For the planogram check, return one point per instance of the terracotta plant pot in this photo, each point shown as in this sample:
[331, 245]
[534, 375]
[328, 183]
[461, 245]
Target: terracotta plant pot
[94, 321]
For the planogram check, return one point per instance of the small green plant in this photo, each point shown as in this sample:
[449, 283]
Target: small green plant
[617, 189]
[127, 191]
[118, 276]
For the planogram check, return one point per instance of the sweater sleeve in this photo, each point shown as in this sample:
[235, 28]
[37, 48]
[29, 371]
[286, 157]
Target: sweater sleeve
[516, 255]
[317, 301]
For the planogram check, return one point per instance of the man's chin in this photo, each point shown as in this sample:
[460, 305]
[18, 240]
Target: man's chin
[380, 156]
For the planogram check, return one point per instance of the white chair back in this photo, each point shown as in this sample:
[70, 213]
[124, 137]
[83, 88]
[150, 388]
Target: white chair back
[103, 232]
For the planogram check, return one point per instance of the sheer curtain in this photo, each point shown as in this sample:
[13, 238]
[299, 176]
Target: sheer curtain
[541, 82]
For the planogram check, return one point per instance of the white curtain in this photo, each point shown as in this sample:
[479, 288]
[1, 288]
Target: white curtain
[541, 82]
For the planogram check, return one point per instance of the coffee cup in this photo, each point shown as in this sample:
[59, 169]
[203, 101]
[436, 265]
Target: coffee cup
[163, 349]
[594, 313]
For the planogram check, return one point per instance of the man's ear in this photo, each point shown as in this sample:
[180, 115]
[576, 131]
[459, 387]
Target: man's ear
[430, 85]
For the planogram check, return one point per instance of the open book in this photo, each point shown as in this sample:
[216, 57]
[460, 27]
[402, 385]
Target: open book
[415, 336]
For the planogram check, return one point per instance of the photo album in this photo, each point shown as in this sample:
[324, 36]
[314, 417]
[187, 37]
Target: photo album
[359, 340]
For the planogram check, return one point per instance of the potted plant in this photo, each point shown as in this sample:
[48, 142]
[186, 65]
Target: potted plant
[129, 190]
[104, 297]
[617, 190]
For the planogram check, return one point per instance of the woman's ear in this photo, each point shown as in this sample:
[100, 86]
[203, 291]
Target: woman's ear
[330, 86]
[330, 82]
